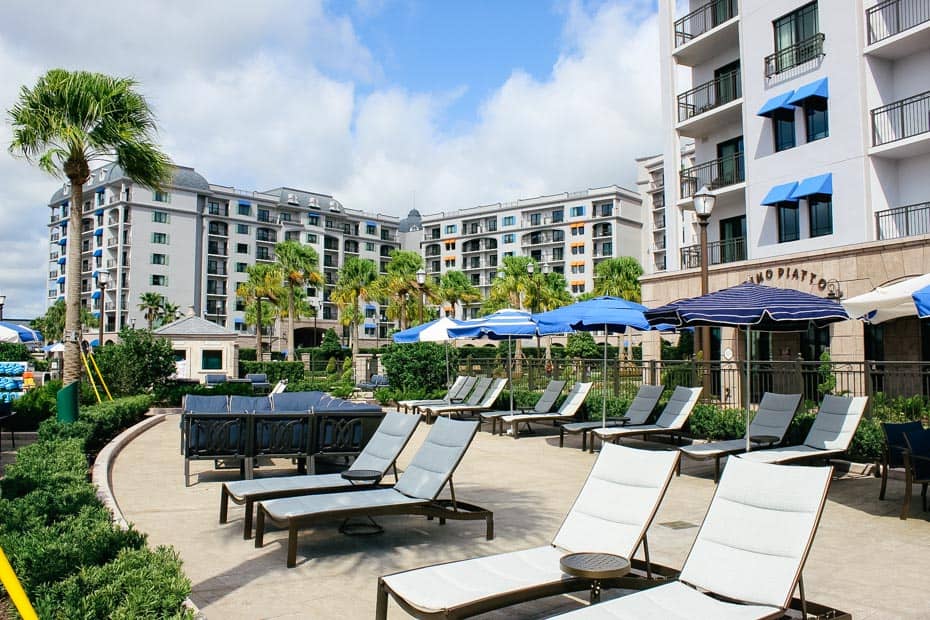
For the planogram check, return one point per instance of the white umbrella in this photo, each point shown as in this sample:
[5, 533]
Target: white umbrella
[12, 332]
[434, 331]
[885, 303]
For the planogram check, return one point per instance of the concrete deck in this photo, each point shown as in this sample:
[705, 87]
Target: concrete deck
[865, 560]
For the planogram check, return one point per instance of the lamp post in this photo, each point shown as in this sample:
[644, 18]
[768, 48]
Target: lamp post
[421, 281]
[2, 303]
[704, 202]
[316, 313]
[103, 278]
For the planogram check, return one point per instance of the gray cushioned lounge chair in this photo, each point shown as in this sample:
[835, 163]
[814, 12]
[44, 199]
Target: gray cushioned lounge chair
[746, 561]
[379, 454]
[457, 393]
[611, 515]
[544, 405]
[473, 405]
[478, 390]
[416, 492]
[670, 422]
[771, 420]
[568, 411]
[646, 399]
[830, 434]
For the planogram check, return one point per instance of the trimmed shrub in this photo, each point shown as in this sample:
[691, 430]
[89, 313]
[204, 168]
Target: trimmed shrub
[137, 363]
[46, 464]
[418, 366]
[172, 393]
[45, 505]
[712, 422]
[14, 352]
[868, 442]
[616, 406]
[276, 371]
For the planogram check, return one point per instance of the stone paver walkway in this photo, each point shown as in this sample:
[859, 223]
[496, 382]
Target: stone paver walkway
[865, 560]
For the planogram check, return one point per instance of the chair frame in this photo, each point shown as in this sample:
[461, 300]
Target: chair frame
[887, 458]
[649, 430]
[557, 417]
[589, 427]
[910, 479]
[494, 416]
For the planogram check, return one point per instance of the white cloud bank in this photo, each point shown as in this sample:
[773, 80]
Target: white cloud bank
[258, 95]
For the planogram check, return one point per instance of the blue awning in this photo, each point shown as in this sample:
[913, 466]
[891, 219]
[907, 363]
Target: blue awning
[101, 190]
[780, 193]
[369, 223]
[820, 88]
[63, 241]
[370, 323]
[239, 321]
[64, 203]
[94, 275]
[61, 279]
[98, 252]
[245, 203]
[62, 260]
[95, 313]
[98, 212]
[98, 232]
[370, 306]
[776, 103]
[822, 184]
[63, 223]
[95, 295]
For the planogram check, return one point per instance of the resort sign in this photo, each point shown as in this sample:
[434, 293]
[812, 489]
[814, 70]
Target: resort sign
[787, 273]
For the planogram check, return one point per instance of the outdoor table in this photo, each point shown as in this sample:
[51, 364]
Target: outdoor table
[767, 440]
[361, 476]
[596, 567]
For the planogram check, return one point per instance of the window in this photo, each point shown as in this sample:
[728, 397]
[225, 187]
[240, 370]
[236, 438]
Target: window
[577, 288]
[450, 245]
[242, 229]
[558, 253]
[159, 259]
[577, 231]
[815, 117]
[577, 250]
[509, 238]
[535, 219]
[158, 237]
[607, 248]
[160, 217]
[788, 223]
[506, 254]
[475, 279]
[215, 208]
[794, 28]
[606, 209]
[100, 197]
[783, 130]
[558, 215]
[434, 265]
[450, 262]
[558, 235]
[211, 359]
[821, 214]
[240, 305]
[576, 212]
[241, 267]
[450, 229]
[245, 209]
[159, 196]
[371, 229]
[242, 248]
[576, 269]
[313, 219]
[159, 280]
[312, 238]
[264, 215]
[369, 246]
[509, 220]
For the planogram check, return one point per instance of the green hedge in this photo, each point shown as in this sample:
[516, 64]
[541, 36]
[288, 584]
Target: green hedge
[98, 424]
[276, 371]
[713, 423]
[172, 393]
[418, 366]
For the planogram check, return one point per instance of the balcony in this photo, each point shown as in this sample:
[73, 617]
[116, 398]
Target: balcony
[266, 237]
[339, 227]
[727, 251]
[658, 223]
[902, 129]
[659, 244]
[702, 33]
[715, 174]
[899, 222]
[710, 106]
[897, 28]
[795, 55]
[217, 249]
[264, 217]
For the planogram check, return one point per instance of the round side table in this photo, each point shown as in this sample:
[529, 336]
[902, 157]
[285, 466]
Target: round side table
[595, 567]
[370, 526]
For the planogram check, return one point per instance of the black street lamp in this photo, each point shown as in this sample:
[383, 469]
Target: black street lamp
[704, 202]
[2, 303]
[421, 281]
[103, 278]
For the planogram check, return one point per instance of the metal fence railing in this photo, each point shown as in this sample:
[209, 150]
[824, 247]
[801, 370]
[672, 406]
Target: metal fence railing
[903, 221]
[794, 55]
[726, 251]
[901, 119]
[713, 174]
[702, 19]
[721, 90]
[892, 17]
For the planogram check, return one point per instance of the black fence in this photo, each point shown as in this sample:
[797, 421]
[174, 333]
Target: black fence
[794, 55]
[721, 90]
[726, 251]
[901, 119]
[714, 174]
[903, 221]
[892, 17]
[705, 18]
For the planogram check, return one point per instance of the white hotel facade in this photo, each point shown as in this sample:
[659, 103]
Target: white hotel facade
[810, 122]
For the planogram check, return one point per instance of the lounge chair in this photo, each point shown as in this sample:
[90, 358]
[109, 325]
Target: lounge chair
[670, 422]
[376, 382]
[380, 454]
[568, 411]
[611, 514]
[485, 403]
[770, 422]
[746, 561]
[544, 405]
[646, 399]
[415, 493]
[213, 380]
[916, 467]
[895, 446]
[457, 393]
[259, 382]
[830, 435]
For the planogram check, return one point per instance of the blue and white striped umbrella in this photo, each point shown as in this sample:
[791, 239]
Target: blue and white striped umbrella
[434, 331]
[11, 332]
[892, 301]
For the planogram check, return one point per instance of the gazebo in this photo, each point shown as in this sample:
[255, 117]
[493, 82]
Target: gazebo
[201, 347]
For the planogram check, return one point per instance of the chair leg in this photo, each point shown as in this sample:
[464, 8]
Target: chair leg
[291, 544]
[646, 555]
[906, 509]
[716, 470]
[224, 503]
[923, 496]
[881, 492]
[260, 528]
[247, 519]
[381, 609]
[561, 437]
[678, 467]
[187, 472]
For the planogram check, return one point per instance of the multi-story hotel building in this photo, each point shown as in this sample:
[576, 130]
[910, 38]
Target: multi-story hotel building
[650, 179]
[192, 243]
[569, 233]
[811, 125]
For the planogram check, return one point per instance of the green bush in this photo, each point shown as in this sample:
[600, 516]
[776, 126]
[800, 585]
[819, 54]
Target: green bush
[138, 583]
[868, 442]
[247, 355]
[310, 385]
[581, 345]
[522, 399]
[276, 371]
[388, 395]
[98, 424]
[172, 393]
[342, 389]
[14, 352]
[592, 409]
[420, 365]
[45, 505]
[36, 405]
[714, 423]
[44, 464]
[137, 363]
[330, 345]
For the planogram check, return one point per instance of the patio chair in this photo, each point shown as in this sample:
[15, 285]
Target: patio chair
[646, 399]
[769, 424]
[748, 555]
[485, 403]
[670, 422]
[195, 403]
[568, 411]
[544, 405]
[893, 451]
[217, 435]
[479, 389]
[296, 402]
[259, 382]
[379, 454]
[249, 404]
[376, 382]
[916, 467]
[457, 393]
[611, 514]
[213, 380]
[415, 493]
[830, 435]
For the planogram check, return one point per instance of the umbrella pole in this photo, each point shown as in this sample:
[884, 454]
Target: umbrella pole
[604, 384]
[748, 384]
[448, 383]
[509, 372]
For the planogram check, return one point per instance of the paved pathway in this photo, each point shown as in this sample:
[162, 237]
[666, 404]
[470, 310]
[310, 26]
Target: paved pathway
[864, 560]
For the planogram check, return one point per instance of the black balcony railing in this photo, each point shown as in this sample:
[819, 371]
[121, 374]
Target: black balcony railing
[714, 174]
[794, 55]
[892, 17]
[901, 119]
[905, 221]
[659, 222]
[705, 18]
[715, 93]
[726, 251]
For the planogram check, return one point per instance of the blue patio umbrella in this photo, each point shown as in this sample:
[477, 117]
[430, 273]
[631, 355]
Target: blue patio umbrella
[13, 332]
[433, 331]
[610, 314]
[505, 324]
[922, 301]
[751, 306]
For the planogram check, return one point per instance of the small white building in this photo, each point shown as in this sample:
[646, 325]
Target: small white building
[201, 347]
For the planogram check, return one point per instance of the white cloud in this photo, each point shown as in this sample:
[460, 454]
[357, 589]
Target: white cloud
[265, 94]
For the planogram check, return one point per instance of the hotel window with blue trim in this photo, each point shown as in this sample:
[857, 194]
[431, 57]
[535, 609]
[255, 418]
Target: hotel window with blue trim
[820, 207]
[816, 120]
[789, 228]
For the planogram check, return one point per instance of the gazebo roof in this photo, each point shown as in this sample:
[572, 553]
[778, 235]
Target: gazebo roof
[194, 326]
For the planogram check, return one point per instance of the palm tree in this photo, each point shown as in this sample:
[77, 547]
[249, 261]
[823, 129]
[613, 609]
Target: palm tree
[512, 283]
[456, 288]
[355, 282]
[264, 283]
[151, 306]
[619, 277]
[399, 286]
[168, 311]
[68, 121]
[300, 266]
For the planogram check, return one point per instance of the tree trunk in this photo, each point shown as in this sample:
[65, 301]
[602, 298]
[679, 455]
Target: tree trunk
[290, 324]
[258, 329]
[71, 366]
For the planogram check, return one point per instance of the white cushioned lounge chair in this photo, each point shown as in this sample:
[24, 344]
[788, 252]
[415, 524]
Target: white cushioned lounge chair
[771, 420]
[670, 422]
[485, 403]
[459, 390]
[567, 411]
[746, 561]
[416, 491]
[544, 405]
[379, 454]
[647, 396]
[611, 514]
